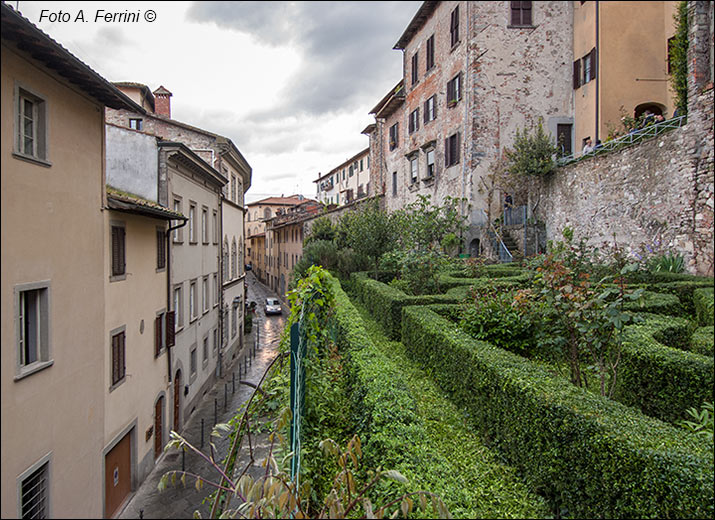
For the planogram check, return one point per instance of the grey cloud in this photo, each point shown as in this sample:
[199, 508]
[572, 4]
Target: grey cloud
[347, 48]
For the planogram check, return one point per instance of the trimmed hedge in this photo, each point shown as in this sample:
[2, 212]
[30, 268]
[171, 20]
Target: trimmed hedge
[420, 433]
[662, 381]
[385, 302]
[704, 303]
[702, 341]
[596, 457]
[447, 281]
[683, 290]
[657, 303]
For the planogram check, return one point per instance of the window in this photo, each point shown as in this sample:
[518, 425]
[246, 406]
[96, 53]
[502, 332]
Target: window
[160, 249]
[521, 14]
[192, 222]
[430, 53]
[234, 260]
[267, 213]
[118, 251]
[233, 187]
[205, 225]
[205, 350]
[193, 361]
[415, 67]
[394, 136]
[34, 496]
[33, 315]
[451, 150]
[234, 320]
[413, 168]
[179, 307]
[225, 259]
[563, 139]
[205, 297]
[430, 109]
[31, 130]
[454, 27]
[225, 322]
[414, 123]
[584, 70]
[215, 224]
[430, 163]
[350, 171]
[215, 347]
[193, 307]
[215, 289]
[179, 232]
[136, 124]
[394, 184]
[454, 90]
[118, 357]
[361, 168]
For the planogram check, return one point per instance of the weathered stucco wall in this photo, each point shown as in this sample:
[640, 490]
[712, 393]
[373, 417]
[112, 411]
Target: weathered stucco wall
[132, 162]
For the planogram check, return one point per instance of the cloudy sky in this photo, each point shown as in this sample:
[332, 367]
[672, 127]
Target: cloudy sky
[291, 83]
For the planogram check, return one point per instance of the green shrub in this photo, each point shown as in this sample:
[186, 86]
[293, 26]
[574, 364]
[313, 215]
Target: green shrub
[506, 278]
[657, 303]
[408, 425]
[702, 342]
[704, 303]
[592, 456]
[684, 290]
[660, 380]
[385, 302]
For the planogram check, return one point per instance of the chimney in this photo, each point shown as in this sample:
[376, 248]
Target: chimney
[162, 103]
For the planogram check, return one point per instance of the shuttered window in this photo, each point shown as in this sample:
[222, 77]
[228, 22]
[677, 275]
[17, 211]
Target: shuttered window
[415, 67]
[451, 150]
[118, 357]
[170, 328]
[454, 27]
[160, 249]
[454, 90]
[118, 251]
[430, 109]
[576, 74]
[394, 136]
[430, 53]
[414, 123]
[158, 334]
[521, 13]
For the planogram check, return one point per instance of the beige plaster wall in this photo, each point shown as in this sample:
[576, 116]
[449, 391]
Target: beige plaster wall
[52, 230]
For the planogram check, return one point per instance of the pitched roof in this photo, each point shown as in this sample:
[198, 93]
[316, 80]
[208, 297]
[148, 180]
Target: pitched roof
[128, 202]
[30, 39]
[423, 13]
[281, 201]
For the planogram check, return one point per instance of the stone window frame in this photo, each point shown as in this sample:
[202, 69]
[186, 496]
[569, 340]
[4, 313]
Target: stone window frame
[44, 348]
[178, 233]
[40, 125]
[523, 21]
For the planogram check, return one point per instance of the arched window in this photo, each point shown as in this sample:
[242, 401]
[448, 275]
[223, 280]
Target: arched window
[225, 259]
[267, 213]
[234, 260]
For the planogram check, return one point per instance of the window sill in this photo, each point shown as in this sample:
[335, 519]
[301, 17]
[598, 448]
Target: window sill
[193, 319]
[428, 181]
[118, 277]
[414, 186]
[205, 311]
[32, 159]
[160, 269]
[455, 45]
[452, 104]
[178, 241]
[33, 369]
[193, 243]
[118, 384]
[521, 26]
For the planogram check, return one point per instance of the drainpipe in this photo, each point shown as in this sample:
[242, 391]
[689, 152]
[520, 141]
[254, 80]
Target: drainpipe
[168, 283]
[598, 71]
[220, 288]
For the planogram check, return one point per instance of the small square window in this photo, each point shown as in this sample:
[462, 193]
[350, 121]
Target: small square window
[136, 124]
[430, 163]
[413, 168]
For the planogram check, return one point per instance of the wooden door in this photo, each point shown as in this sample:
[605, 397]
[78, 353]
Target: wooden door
[177, 400]
[117, 475]
[158, 427]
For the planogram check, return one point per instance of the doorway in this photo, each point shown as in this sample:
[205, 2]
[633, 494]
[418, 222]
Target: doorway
[177, 401]
[117, 475]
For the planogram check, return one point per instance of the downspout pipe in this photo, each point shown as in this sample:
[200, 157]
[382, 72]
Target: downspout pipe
[167, 234]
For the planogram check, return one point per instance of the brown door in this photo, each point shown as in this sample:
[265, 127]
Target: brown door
[117, 475]
[177, 399]
[158, 429]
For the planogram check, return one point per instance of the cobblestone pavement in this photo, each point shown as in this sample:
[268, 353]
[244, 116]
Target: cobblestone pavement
[221, 401]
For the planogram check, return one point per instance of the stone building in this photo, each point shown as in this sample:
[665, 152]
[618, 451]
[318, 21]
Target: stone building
[259, 245]
[55, 353]
[473, 73]
[347, 182]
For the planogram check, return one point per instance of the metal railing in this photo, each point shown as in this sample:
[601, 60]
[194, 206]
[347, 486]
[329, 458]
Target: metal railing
[631, 138]
[479, 218]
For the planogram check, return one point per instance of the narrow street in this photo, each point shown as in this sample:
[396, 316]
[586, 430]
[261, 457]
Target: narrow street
[219, 403]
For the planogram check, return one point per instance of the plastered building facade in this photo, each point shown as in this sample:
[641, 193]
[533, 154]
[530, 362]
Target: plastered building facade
[346, 183]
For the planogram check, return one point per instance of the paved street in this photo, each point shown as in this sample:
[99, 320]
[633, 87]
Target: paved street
[180, 502]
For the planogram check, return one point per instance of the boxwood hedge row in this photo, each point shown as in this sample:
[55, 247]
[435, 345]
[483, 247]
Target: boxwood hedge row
[704, 303]
[594, 456]
[702, 341]
[662, 381]
[684, 290]
[437, 453]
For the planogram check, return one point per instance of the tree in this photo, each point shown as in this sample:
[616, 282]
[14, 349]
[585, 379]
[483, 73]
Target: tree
[371, 232]
[532, 158]
[425, 226]
[322, 229]
[679, 59]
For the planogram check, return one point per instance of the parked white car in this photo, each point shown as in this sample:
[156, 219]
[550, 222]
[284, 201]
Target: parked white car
[273, 306]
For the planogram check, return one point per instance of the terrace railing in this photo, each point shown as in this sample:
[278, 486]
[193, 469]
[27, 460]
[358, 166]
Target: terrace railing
[631, 138]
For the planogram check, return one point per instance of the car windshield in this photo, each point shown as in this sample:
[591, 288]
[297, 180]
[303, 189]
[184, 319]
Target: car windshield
[271, 301]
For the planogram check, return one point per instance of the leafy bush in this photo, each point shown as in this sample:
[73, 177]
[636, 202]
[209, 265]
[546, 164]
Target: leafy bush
[591, 456]
[702, 421]
[702, 341]
[668, 262]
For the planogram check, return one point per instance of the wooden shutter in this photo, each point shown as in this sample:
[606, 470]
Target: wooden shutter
[170, 324]
[458, 149]
[426, 109]
[576, 74]
[122, 351]
[157, 334]
[592, 57]
[118, 251]
[115, 358]
[525, 13]
[446, 152]
[515, 13]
